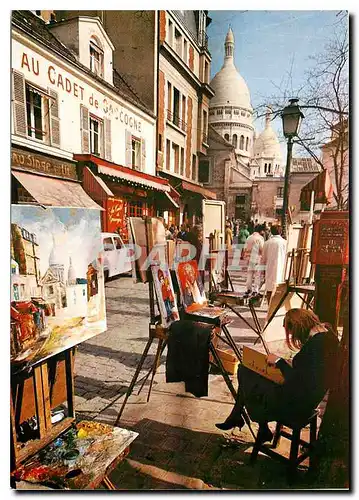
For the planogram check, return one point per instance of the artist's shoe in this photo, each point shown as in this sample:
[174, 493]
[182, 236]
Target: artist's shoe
[230, 424]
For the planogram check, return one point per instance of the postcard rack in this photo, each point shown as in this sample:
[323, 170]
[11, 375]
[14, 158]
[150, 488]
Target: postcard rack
[35, 391]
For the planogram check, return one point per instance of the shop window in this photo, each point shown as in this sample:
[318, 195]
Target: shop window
[37, 114]
[203, 171]
[96, 136]
[96, 57]
[241, 142]
[136, 153]
[108, 244]
[135, 209]
[235, 140]
[280, 191]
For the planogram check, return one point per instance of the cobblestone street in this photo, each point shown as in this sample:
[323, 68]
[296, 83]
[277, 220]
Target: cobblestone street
[178, 446]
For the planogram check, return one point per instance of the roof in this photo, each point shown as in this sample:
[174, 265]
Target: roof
[305, 165]
[215, 136]
[37, 29]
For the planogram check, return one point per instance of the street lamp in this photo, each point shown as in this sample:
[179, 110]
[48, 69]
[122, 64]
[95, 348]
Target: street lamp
[291, 118]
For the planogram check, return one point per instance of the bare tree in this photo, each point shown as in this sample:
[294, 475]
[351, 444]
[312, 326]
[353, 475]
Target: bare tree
[324, 100]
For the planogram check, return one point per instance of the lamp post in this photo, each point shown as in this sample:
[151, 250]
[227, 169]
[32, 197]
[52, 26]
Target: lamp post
[291, 118]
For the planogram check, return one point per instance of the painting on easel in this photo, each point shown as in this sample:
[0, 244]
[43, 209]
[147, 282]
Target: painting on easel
[57, 282]
[166, 297]
[191, 286]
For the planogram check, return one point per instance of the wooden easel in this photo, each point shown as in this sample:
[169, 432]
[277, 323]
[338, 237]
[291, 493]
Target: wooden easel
[32, 395]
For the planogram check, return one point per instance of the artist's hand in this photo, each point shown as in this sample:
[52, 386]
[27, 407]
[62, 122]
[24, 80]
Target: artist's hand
[271, 359]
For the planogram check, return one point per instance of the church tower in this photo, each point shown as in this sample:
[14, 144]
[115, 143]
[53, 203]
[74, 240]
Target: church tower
[267, 158]
[231, 112]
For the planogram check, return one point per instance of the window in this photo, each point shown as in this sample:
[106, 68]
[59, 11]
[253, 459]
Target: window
[118, 242]
[235, 140]
[236, 111]
[212, 112]
[206, 72]
[203, 171]
[168, 154]
[280, 191]
[37, 114]
[96, 136]
[269, 167]
[136, 153]
[176, 106]
[96, 58]
[219, 111]
[176, 157]
[265, 168]
[227, 111]
[205, 127]
[160, 142]
[182, 161]
[241, 142]
[169, 96]
[108, 244]
[183, 109]
[51, 289]
[178, 42]
[240, 199]
[185, 49]
[136, 209]
[170, 32]
[247, 143]
[243, 113]
[226, 136]
[194, 167]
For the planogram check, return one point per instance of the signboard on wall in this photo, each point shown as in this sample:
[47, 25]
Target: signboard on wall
[43, 164]
[331, 239]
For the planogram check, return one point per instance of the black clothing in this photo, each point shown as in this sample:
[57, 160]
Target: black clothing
[188, 356]
[312, 373]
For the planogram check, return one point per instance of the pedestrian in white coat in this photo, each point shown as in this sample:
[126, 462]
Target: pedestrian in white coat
[253, 252]
[273, 258]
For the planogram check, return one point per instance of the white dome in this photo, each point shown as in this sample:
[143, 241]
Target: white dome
[229, 86]
[267, 144]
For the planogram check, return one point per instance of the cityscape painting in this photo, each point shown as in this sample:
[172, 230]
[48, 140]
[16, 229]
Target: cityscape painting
[57, 280]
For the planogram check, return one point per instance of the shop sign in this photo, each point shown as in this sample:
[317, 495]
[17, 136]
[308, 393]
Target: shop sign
[66, 82]
[42, 164]
[115, 214]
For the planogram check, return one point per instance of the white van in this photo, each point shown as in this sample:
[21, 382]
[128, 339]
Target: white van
[115, 261]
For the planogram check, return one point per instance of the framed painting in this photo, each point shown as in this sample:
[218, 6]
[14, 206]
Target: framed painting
[190, 284]
[57, 280]
[166, 297]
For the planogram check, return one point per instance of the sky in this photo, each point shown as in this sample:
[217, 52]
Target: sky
[268, 46]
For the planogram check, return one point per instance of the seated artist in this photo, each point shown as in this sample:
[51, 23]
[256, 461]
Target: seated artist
[312, 373]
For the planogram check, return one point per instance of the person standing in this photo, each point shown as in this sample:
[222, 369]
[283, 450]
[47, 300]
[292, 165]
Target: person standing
[228, 236]
[253, 252]
[274, 257]
[242, 237]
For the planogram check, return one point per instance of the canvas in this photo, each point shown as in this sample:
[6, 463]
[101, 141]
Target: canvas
[57, 281]
[166, 297]
[191, 286]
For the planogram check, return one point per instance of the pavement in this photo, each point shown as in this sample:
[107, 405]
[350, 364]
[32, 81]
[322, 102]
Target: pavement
[179, 447]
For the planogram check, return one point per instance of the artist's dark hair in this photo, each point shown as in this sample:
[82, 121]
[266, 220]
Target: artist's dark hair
[298, 324]
[275, 230]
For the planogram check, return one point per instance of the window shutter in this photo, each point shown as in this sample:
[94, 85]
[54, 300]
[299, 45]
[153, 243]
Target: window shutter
[19, 98]
[128, 149]
[54, 118]
[143, 154]
[85, 134]
[107, 137]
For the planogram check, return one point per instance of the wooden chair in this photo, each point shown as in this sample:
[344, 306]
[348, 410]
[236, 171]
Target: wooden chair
[295, 437]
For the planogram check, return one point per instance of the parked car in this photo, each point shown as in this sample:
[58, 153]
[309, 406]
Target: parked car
[115, 261]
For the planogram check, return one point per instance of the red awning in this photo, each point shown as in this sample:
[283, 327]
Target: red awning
[321, 185]
[126, 174]
[206, 193]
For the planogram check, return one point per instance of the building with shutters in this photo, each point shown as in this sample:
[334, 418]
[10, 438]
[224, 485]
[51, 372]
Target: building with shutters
[164, 57]
[76, 122]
